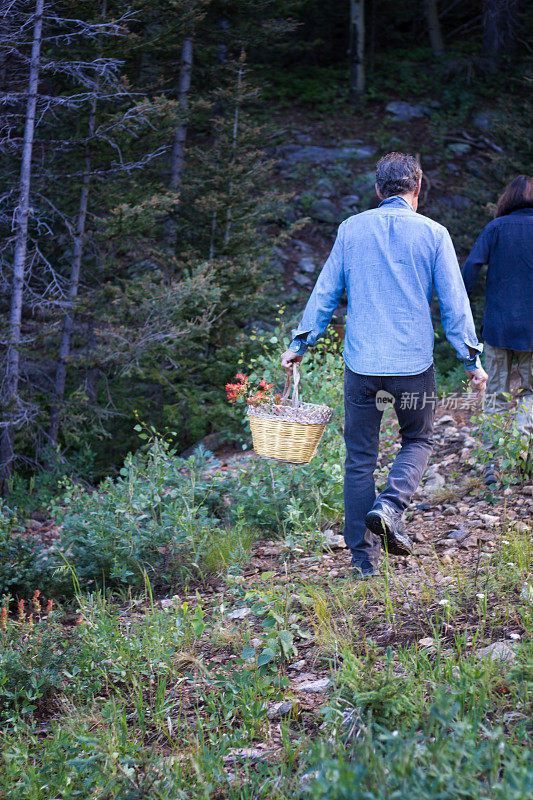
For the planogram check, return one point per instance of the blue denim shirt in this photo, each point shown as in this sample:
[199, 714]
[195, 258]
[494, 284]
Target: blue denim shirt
[388, 259]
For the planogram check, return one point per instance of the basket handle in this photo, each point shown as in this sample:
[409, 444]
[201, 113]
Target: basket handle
[285, 396]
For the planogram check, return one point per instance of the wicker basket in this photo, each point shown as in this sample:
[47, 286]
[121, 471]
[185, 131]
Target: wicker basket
[289, 430]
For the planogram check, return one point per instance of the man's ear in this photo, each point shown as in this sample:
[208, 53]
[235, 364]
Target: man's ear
[378, 192]
[417, 190]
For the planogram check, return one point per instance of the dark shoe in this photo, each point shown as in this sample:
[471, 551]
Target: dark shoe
[386, 521]
[363, 572]
[490, 474]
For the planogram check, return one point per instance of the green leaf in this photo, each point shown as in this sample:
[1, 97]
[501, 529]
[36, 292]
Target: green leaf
[265, 657]
[287, 643]
[247, 652]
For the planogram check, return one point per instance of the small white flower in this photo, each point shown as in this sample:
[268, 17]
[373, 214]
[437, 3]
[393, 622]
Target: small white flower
[506, 541]
[395, 733]
[510, 564]
[444, 602]
[514, 636]
[480, 596]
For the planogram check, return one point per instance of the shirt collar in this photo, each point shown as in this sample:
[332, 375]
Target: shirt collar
[396, 200]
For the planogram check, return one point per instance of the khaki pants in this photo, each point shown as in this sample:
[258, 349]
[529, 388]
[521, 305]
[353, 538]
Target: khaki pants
[498, 363]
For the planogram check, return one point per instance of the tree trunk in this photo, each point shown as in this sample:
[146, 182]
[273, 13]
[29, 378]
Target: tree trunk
[435, 34]
[500, 23]
[234, 136]
[75, 267]
[74, 281]
[10, 396]
[180, 134]
[356, 50]
[177, 157]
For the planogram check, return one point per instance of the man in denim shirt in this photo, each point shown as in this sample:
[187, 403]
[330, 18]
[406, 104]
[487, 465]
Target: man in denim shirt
[388, 260]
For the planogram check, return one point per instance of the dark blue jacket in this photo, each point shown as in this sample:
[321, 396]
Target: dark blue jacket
[506, 245]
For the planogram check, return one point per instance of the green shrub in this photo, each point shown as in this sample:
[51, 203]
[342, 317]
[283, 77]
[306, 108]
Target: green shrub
[35, 659]
[449, 759]
[25, 564]
[153, 517]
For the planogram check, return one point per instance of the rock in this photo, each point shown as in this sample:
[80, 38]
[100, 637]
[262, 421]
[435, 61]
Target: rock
[405, 112]
[324, 188]
[471, 541]
[312, 154]
[349, 202]
[451, 167]
[521, 527]
[450, 431]
[364, 183]
[475, 168]
[297, 665]
[301, 280]
[314, 687]
[527, 592]
[209, 442]
[484, 120]
[489, 519]
[281, 709]
[334, 540]
[419, 537]
[323, 211]
[459, 148]
[457, 201]
[303, 247]
[457, 535]
[434, 482]
[446, 419]
[497, 651]
[527, 490]
[450, 511]
[239, 613]
[271, 550]
[469, 441]
[245, 754]
[306, 264]
[428, 643]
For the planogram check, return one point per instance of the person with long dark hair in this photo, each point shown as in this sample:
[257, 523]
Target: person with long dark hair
[506, 246]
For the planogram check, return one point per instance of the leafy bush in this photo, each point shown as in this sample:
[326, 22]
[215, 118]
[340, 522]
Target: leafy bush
[35, 658]
[451, 758]
[502, 441]
[156, 517]
[25, 564]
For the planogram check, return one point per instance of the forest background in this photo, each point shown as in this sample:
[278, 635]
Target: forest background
[172, 174]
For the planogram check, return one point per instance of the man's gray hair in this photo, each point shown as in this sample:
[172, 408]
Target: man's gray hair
[397, 173]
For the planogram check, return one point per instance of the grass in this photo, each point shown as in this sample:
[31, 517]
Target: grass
[171, 688]
[171, 698]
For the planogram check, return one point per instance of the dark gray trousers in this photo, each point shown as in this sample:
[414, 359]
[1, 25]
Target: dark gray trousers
[365, 398]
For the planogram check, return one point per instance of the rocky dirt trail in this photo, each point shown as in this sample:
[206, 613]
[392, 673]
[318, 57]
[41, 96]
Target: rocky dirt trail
[457, 525]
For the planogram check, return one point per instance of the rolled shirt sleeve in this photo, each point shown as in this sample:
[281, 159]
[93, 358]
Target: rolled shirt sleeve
[324, 299]
[456, 314]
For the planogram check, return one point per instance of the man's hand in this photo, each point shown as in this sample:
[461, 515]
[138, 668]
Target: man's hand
[288, 359]
[478, 378]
